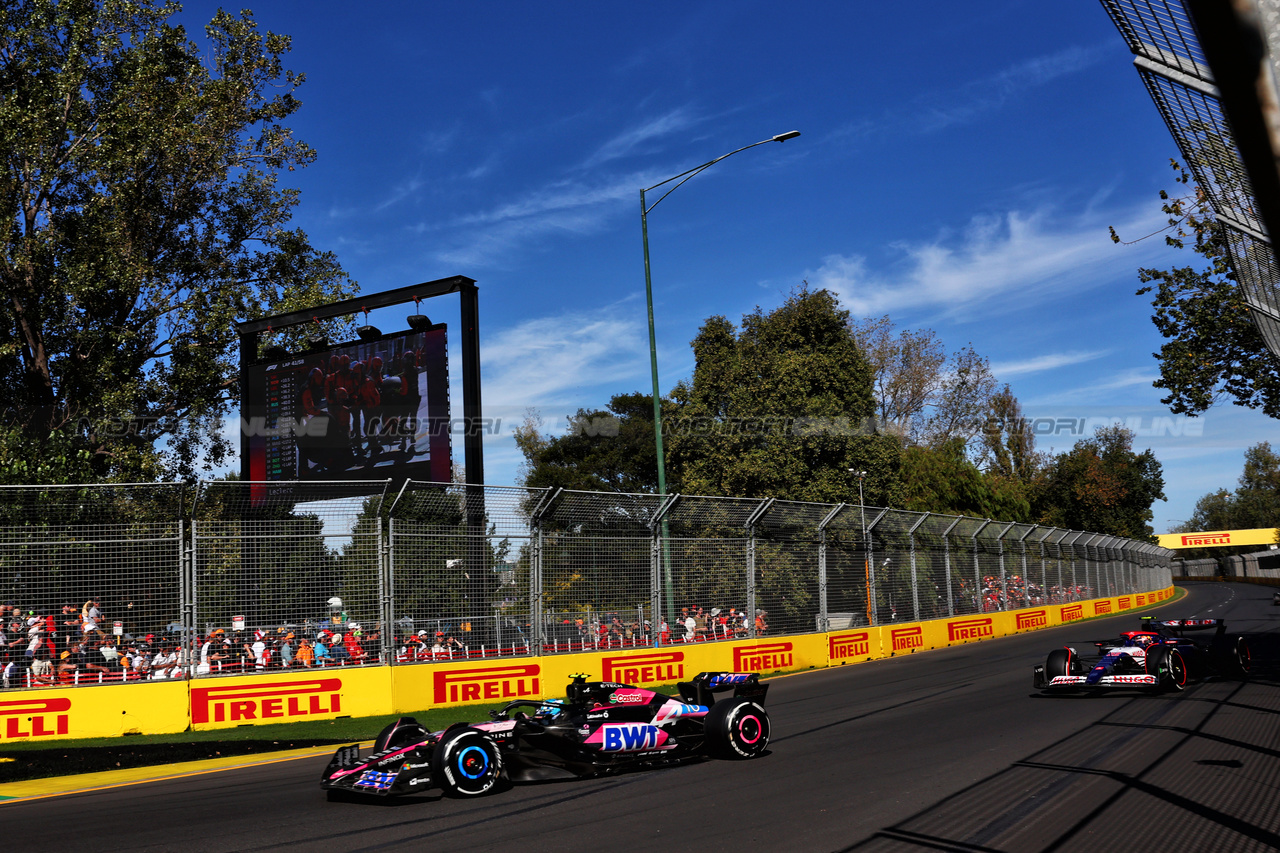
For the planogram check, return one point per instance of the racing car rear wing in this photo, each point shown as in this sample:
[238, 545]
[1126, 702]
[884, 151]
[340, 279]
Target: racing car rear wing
[1177, 626]
[699, 690]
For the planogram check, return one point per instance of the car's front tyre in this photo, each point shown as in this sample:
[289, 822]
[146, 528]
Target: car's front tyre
[1169, 667]
[466, 763]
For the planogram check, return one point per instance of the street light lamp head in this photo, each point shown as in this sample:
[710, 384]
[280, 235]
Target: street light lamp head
[856, 473]
[783, 137]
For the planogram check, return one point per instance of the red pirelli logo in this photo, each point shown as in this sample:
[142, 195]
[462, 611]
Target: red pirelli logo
[492, 682]
[34, 717]
[1125, 603]
[1101, 607]
[637, 669]
[961, 630]
[907, 639]
[1192, 540]
[1142, 599]
[275, 700]
[1071, 612]
[1031, 619]
[762, 656]
[856, 644]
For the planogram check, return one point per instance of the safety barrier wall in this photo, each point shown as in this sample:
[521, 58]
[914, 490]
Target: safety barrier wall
[297, 695]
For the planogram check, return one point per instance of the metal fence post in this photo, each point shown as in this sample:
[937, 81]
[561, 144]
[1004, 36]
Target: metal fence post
[1026, 578]
[660, 550]
[869, 551]
[915, 586]
[979, 603]
[946, 558]
[824, 617]
[537, 619]
[1004, 576]
[751, 563]
[386, 592]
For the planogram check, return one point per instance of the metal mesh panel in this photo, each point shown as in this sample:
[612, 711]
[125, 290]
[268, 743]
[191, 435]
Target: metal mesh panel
[110, 553]
[1161, 31]
[302, 560]
[596, 589]
[707, 574]
[793, 520]
[787, 586]
[460, 571]
[1173, 68]
[848, 571]
[616, 514]
[503, 511]
[455, 594]
[1256, 271]
[697, 516]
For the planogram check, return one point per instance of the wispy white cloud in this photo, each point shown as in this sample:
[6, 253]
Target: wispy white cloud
[631, 138]
[997, 265]
[1096, 391]
[987, 94]
[487, 238]
[1042, 363]
[554, 197]
[399, 194]
[970, 101]
[548, 361]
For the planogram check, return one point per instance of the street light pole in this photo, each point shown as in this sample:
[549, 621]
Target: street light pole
[653, 341]
[648, 286]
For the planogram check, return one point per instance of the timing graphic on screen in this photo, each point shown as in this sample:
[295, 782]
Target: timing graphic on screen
[363, 410]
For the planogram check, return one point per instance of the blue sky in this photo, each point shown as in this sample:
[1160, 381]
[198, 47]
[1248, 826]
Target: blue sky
[958, 169]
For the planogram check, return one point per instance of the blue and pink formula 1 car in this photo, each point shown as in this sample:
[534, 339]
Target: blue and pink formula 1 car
[600, 727]
[1159, 657]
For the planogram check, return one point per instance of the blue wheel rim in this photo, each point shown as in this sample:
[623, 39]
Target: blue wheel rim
[471, 758]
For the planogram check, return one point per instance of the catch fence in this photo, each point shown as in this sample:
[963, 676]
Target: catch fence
[230, 577]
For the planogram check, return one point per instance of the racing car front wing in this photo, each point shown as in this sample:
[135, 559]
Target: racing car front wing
[1075, 681]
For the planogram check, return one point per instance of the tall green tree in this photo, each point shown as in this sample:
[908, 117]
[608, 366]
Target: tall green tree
[143, 215]
[1254, 503]
[1101, 486]
[1212, 349]
[781, 408]
[944, 480]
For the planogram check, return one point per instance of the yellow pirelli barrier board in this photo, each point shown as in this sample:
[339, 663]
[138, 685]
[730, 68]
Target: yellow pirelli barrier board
[853, 645]
[437, 685]
[109, 710]
[290, 697]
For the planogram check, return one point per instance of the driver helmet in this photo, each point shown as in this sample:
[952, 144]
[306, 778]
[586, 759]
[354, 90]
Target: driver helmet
[335, 603]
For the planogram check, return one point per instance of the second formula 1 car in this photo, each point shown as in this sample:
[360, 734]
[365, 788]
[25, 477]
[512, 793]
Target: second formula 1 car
[600, 727]
[1158, 657]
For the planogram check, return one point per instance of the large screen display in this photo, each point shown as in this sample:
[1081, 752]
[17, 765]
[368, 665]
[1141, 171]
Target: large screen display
[368, 410]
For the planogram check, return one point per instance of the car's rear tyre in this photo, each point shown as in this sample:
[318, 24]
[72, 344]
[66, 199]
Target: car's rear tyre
[737, 728]
[1169, 668]
[466, 763]
[402, 732]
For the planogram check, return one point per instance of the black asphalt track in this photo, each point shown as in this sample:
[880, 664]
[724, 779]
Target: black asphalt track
[946, 750]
